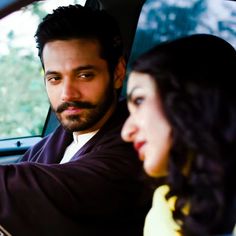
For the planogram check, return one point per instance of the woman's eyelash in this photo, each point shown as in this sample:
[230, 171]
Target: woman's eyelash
[138, 100]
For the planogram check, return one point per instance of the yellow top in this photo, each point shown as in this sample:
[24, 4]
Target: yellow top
[234, 231]
[159, 220]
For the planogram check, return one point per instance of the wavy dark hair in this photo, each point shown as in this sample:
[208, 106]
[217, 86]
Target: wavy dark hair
[195, 76]
[76, 21]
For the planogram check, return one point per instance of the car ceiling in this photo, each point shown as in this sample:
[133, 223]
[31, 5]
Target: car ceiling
[8, 6]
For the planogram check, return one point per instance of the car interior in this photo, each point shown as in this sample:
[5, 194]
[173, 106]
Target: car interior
[143, 23]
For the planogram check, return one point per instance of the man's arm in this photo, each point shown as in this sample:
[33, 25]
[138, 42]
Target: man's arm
[101, 186]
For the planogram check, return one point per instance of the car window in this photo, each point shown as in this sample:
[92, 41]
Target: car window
[24, 104]
[169, 19]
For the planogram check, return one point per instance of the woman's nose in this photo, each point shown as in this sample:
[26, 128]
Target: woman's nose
[129, 130]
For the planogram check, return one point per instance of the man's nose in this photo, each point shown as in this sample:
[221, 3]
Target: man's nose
[70, 90]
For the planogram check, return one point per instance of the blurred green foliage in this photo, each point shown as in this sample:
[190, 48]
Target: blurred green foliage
[169, 19]
[24, 104]
[23, 99]
[165, 20]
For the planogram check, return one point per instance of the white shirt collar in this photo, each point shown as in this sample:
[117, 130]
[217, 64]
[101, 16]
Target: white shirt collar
[78, 142]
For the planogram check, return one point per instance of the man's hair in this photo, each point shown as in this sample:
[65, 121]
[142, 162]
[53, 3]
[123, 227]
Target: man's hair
[75, 21]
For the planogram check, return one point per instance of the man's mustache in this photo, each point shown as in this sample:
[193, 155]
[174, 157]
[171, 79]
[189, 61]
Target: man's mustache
[65, 105]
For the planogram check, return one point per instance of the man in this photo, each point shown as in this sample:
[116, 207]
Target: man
[82, 179]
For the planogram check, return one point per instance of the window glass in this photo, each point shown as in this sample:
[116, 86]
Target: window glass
[24, 104]
[169, 19]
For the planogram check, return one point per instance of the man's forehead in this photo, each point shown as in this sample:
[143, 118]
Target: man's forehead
[72, 48]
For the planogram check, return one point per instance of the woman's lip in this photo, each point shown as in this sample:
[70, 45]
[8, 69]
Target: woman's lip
[138, 145]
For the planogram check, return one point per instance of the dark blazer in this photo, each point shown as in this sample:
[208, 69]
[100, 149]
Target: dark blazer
[99, 192]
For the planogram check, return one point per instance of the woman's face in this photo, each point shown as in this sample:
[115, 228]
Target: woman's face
[147, 126]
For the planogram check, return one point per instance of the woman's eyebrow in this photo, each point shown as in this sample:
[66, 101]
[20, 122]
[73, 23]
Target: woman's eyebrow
[130, 94]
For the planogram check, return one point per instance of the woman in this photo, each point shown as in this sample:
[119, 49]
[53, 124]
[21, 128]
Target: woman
[182, 103]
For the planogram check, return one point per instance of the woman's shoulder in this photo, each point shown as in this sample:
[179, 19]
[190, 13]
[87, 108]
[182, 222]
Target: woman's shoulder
[159, 220]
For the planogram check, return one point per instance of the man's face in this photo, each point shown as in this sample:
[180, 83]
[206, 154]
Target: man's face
[78, 84]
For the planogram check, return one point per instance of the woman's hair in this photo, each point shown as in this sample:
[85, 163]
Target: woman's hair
[195, 77]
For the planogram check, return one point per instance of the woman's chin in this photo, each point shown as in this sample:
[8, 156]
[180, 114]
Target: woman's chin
[154, 172]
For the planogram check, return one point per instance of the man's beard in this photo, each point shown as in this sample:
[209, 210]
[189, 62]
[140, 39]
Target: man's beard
[91, 114]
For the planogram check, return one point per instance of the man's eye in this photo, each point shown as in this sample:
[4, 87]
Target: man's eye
[86, 75]
[53, 78]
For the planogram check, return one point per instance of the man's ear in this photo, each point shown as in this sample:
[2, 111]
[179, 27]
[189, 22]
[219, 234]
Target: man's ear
[119, 74]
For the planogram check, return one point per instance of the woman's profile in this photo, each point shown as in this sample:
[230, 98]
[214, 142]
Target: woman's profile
[182, 103]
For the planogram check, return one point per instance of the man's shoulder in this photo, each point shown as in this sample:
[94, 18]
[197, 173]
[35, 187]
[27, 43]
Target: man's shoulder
[57, 136]
[52, 143]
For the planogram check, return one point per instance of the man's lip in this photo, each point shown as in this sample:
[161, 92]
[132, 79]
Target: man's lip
[73, 110]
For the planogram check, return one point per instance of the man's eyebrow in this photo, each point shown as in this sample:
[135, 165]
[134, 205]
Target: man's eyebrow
[86, 67]
[78, 69]
[50, 72]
